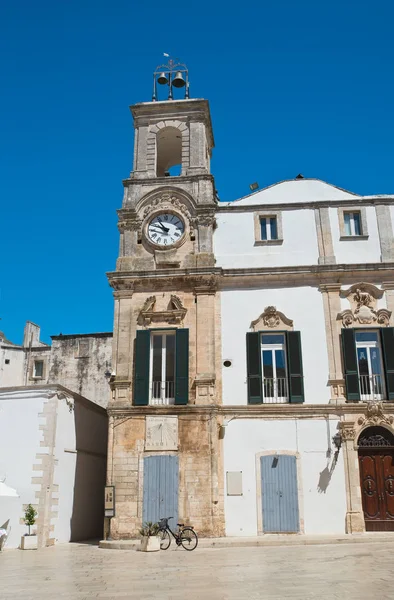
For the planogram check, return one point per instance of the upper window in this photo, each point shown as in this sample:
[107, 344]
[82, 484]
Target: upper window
[269, 228]
[161, 367]
[352, 222]
[273, 355]
[38, 369]
[162, 383]
[369, 365]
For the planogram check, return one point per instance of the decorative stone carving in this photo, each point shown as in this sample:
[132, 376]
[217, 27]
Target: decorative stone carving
[271, 319]
[175, 312]
[363, 299]
[347, 431]
[161, 433]
[374, 415]
[205, 284]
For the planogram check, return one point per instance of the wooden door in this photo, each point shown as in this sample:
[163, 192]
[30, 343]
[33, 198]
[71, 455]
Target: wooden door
[377, 481]
[160, 498]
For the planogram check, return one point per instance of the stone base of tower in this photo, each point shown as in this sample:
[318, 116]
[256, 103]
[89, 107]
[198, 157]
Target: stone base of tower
[184, 471]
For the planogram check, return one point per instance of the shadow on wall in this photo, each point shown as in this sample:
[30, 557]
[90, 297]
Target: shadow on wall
[326, 474]
[87, 520]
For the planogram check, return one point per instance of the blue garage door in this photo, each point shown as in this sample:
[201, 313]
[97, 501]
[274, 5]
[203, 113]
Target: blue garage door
[279, 494]
[160, 488]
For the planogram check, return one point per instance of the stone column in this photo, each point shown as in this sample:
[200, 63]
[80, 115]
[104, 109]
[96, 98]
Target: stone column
[332, 306]
[324, 238]
[385, 228]
[205, 343]
[355, 522]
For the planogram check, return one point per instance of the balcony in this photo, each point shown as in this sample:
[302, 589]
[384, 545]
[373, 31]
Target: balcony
[275, 391]
[162, 393]
[371, 387]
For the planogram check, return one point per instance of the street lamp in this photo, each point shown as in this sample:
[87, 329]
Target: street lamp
[174, 74]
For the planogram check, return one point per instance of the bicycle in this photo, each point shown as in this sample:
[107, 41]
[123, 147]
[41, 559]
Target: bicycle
[185, 537]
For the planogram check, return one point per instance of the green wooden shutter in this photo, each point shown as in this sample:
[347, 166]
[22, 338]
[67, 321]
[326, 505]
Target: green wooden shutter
[294, 365]
[253, 359]
[142, 359]
[182, 366]
[350, 365]
[387, 337]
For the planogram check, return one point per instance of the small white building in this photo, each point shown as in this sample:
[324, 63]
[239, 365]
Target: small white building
[53, 449]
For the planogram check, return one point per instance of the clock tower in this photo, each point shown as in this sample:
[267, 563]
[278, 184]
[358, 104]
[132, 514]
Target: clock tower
[164, 454]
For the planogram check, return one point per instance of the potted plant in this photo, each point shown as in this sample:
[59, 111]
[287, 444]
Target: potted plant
[150, 541]
[29, 540]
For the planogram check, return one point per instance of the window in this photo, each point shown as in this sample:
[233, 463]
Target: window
[162, 384]
[269, 228]
[82, 349]
[368, 361]
[274, 367]
[38, 369]
[369, 364]
[273, 354]
[352, 222]
[161, 367]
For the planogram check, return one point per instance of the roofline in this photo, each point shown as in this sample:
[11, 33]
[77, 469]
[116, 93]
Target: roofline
[288, 180]
[56, 388]
[70, 336]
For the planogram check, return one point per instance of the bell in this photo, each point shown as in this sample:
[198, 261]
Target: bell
[162, 79]
[178, 80]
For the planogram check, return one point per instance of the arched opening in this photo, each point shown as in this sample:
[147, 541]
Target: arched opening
[376, 463]
[168, 152]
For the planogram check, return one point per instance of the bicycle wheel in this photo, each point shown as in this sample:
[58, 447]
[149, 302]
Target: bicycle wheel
[189, 539]
[165, 539]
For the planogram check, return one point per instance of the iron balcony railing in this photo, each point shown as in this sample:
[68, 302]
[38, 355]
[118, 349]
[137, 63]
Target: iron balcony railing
[371, 387]
[163, 392]
[275, 390]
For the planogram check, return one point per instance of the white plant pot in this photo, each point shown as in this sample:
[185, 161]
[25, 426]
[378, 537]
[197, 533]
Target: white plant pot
[29, 542]
[150, 543]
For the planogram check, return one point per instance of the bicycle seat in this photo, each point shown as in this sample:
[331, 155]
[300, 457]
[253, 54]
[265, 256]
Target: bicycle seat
[180, 524]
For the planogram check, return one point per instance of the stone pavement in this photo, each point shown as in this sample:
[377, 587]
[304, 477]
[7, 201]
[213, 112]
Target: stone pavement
[81, 572]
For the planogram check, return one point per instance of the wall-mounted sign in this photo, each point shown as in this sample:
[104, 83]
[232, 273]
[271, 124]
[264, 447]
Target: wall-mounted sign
[109, 501]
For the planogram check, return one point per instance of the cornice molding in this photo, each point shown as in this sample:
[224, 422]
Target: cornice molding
[363, 201]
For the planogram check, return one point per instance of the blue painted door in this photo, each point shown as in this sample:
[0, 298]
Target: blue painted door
[160, 488]
[279, 492]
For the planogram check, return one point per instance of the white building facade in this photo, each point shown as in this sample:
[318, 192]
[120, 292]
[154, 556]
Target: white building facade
[307, 351]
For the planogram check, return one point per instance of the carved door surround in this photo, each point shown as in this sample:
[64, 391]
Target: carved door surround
[351, 429]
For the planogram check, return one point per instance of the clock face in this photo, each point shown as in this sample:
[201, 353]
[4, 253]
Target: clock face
[165, 229]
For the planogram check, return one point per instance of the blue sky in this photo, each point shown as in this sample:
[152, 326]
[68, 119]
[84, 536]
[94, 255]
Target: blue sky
[293, 87]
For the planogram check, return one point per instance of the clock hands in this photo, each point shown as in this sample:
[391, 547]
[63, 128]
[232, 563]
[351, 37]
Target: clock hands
[162, 226]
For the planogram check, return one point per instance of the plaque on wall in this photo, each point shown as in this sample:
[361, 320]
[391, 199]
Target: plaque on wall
[109, 501]
[161, 433]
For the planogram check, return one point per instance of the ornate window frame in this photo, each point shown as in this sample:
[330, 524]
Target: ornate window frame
[257, 229]
[364, 225]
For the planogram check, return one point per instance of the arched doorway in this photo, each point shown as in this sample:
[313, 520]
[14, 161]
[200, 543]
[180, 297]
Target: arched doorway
[376, 461]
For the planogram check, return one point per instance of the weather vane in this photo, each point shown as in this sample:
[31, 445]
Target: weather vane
[174, 74]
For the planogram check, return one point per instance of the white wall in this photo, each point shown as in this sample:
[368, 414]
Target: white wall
[19, 443]
[323, 497]
[357, 251]
[234, 241]
[305, 307]
[13, 373]
[64, 475]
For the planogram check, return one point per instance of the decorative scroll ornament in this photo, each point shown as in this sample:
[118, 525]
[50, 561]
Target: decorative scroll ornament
[175, 312]
[374, 415]
[363, 299]
[347, 431]
[271, 319]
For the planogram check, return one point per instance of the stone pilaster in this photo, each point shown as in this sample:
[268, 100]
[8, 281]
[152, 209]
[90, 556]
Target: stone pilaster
[354, 514]
[385, 228]
[332, 306]
[389, 291]
[205, 344]
[324, 237]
